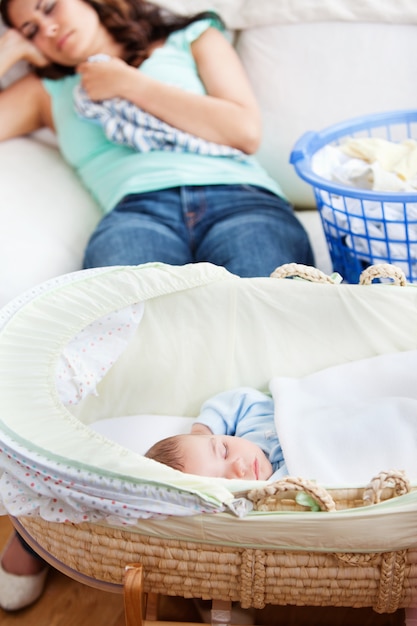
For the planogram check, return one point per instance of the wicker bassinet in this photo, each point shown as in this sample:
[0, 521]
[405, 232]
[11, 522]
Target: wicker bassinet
[203, 330]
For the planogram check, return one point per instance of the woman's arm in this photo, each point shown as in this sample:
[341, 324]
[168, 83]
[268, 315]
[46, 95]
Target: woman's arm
[228, 114]
[25, 105]
[24, 108]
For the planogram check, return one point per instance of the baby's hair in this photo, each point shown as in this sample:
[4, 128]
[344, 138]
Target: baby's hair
[168, 452]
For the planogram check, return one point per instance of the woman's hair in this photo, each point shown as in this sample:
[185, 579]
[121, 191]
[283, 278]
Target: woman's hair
[133, 23]
[168, 452]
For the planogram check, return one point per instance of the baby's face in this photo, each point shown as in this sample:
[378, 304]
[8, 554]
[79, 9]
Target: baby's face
[222, 456]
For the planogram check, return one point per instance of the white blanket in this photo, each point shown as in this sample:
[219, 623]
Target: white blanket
[345, 424]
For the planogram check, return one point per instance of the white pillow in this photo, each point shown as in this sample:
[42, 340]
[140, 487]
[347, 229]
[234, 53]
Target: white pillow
[139, 432]
[247, 13]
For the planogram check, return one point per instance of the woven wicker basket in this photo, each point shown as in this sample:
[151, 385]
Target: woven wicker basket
[254, 577]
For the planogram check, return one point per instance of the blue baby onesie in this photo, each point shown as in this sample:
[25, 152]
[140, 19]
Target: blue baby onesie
[248, 413]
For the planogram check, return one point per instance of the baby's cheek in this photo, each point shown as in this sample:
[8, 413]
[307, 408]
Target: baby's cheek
[267, 469]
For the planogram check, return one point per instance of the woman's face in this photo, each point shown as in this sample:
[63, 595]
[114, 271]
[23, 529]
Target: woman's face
[65, 31]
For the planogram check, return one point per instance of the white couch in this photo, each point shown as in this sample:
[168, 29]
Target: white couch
[311, 62]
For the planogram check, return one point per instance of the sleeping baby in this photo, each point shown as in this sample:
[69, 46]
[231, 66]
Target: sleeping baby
[364, 410]
[233, 437]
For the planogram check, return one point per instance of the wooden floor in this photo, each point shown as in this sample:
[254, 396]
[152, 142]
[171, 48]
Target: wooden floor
[68, 603]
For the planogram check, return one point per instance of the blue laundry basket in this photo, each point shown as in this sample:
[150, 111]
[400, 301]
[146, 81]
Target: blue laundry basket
[362, 226]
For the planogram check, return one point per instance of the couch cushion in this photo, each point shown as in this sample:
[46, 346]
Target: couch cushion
[248, 13]
[46, 216]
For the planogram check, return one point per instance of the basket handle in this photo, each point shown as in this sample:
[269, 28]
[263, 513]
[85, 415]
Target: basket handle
[383, 270]
[266, 498]
[393, 478]
[312, 274]
[307, 272]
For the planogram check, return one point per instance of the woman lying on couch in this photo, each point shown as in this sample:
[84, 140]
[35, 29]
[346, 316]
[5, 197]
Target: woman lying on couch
[175, 203]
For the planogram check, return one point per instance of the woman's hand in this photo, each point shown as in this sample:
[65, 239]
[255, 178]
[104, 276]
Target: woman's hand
[14, 47]
[228, 114]
[106, 78]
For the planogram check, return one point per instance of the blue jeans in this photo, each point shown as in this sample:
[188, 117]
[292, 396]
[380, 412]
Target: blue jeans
[247, 230]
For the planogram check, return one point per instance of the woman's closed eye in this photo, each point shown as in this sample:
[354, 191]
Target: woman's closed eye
[48, 6]
[31, 30]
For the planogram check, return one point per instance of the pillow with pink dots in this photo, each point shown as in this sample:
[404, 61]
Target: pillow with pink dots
[88, 357]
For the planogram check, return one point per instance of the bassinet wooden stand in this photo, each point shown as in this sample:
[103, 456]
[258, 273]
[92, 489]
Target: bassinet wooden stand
[141, 607]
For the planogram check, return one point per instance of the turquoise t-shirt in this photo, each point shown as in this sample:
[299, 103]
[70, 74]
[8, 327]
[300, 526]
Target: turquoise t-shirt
[111, 172]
